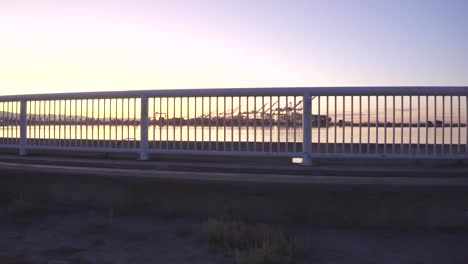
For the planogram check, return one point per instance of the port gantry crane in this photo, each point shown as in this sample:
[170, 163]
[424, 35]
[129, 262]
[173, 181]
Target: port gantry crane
[255, 111]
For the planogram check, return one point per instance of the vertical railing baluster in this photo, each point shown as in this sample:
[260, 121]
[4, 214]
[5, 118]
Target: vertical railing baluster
[43, 124]
[410, 126]
[195, 119]
[203, 123]
[2, 118]
[96, 121]
[23, 128]
[307, 129]
[459, 125]
[144, 128]
[255, 124]
[87, 123]
[239, 125]
[451, 124]
[351, 146]
[263, 124]
[335, 143]
[418, 150]
[360, 124]
[61, 123]
[319, 119]
[29, 122]
[135, 123]
[188, 123]
[312, 123]
[40, 128]
[443, 125]
[278, 142]
[181, 120]
[69, 141]
[286, 121]
[57, 119]
[93, 121]
[343, 124]
[104, 123]
[435, 126]
[217, 124]
[17, 122]
[37, 123]
[393, 127]
[368, 124]
[224, 123]
[466, 123]
[270, 123]
[166, 123]
[74, 123]
[111, 124]
[9, 122]
[174, 123]
[401, 125]
[209, 123]
[385, 125]
[81, 123]
[327, 123]
[160, 122]
[377, 125]
[427, 125]
[12, 123]
[117, 123]
[247, 121]
[54, 116]
[124, 122]
[34, 127]
[232, 123]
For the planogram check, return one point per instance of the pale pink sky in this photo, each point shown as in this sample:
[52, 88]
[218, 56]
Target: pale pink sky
[75, 46]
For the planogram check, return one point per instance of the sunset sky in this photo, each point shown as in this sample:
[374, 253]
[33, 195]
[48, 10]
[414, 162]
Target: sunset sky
[92, 45]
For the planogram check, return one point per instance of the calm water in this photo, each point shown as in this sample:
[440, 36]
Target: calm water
[332, 134]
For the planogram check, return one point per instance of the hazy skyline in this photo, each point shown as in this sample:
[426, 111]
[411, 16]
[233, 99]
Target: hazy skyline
[78, 46]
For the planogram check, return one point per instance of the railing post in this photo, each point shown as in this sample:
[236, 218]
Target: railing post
[307, 130]
[23, 127]
[144, 129]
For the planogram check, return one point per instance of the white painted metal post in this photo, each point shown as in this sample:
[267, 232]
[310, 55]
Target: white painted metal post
[307, 130]
[144, 129]
[23, 128]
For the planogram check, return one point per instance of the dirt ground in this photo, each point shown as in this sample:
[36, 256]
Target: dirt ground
[103, 237]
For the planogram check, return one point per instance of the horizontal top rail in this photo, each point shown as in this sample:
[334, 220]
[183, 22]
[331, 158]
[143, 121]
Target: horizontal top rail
[273, 91]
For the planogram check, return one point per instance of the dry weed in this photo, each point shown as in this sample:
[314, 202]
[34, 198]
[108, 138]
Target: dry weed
[252, 243]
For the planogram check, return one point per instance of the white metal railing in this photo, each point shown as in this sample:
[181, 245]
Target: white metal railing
[401, 122]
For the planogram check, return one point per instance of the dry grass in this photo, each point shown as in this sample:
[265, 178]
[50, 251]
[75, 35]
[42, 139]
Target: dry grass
[252, 243]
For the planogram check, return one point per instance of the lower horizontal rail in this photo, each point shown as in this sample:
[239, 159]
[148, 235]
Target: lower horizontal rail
[283, 149]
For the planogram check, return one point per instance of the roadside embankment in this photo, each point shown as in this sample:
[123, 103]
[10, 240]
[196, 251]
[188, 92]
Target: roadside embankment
[335, 200]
